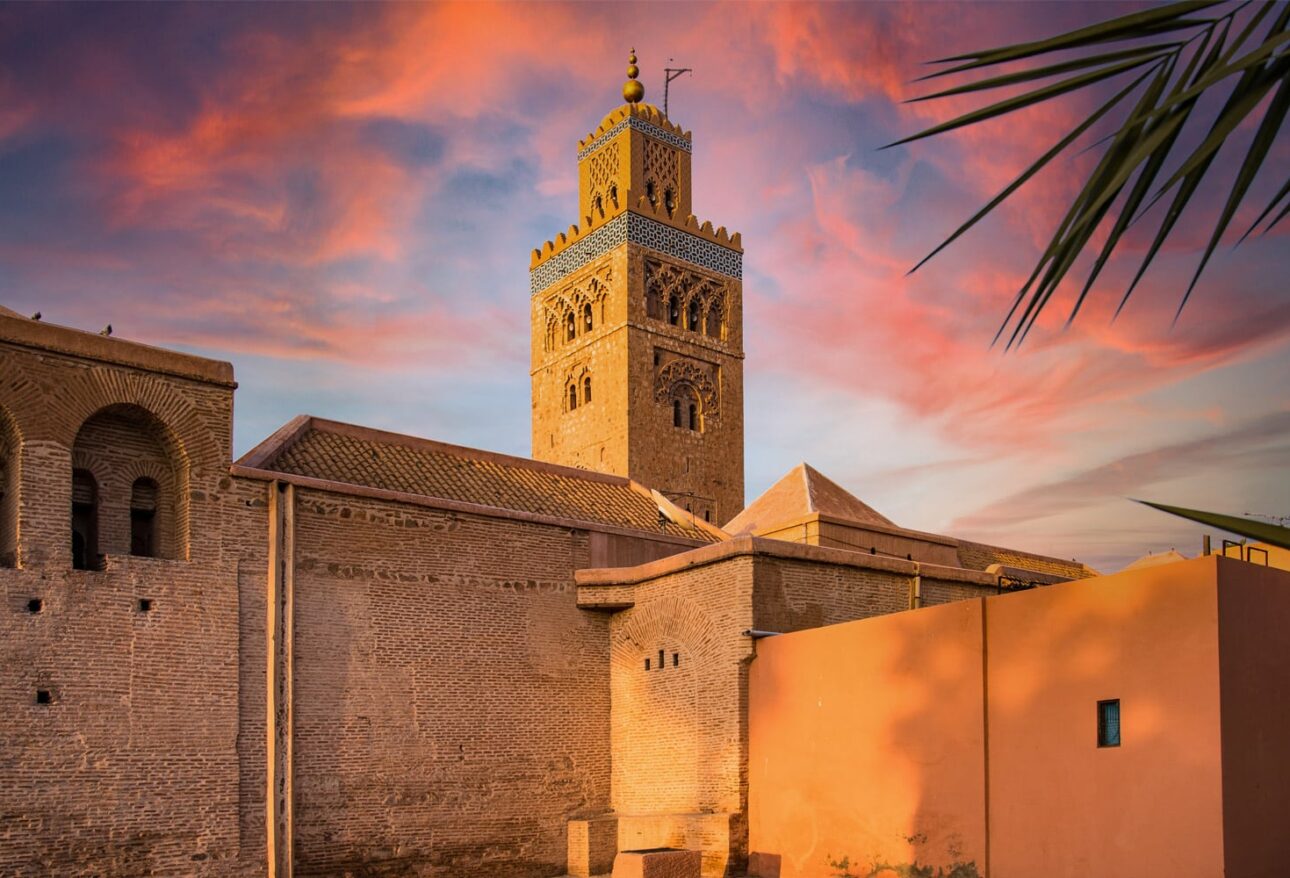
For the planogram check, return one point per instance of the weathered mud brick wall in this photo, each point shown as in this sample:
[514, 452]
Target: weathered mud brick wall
[247, 527]
[451, 701]
[679, 672]
[678, 666]
[119, 690]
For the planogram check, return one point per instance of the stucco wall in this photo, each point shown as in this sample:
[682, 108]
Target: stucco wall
[1062, 806]
[859, 734]
[866, 742]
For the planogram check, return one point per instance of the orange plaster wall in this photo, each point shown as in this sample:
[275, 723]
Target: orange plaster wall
[867, 735]
[1254, 616]
[1061, 806]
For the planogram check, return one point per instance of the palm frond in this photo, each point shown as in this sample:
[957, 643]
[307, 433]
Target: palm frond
[1198, 58]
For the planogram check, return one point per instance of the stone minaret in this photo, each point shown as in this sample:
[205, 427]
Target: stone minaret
[637, 314]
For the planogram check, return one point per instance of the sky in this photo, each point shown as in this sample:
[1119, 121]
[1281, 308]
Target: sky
[342, 200]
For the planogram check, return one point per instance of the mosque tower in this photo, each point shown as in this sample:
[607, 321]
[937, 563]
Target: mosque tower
[637, 321]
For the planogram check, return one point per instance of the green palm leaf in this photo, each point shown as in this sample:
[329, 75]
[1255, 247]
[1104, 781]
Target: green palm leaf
[1124, 186]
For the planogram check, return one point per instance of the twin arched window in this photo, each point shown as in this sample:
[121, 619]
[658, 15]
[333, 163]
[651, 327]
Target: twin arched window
[85, 519]
[586, 317]
[685, 412]
[573, 388]
[128, 488]
[570, 328]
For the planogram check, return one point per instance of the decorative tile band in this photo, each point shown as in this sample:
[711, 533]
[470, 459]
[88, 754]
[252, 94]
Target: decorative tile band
[640, 125]
[636, 229]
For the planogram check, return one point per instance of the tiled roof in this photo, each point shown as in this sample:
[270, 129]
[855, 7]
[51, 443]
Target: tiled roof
[386, 461]
[978, 556]
[801, 492]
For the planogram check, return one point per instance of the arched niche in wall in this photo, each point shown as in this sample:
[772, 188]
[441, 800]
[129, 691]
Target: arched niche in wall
[140, 472]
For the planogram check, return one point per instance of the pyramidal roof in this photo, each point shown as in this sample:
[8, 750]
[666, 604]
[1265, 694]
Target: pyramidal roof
[803, 491]
[1155, 560]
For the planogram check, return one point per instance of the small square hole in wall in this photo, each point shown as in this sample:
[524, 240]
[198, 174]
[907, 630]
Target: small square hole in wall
[35, 605]
[43, 696]
[647, 664]
[661, 663]
[676, 659]
[1108, 723]
[145, 605]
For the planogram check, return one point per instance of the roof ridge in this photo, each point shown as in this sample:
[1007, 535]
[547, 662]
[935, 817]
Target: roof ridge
[464, 452]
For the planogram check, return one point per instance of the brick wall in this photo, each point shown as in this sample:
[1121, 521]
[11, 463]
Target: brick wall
[132, 765]
[451, 702]
[679, 733]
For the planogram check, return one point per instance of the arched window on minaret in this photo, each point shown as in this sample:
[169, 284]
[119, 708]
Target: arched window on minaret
[573, 395]
[570, 328]
[586, 390]
[692, 315]
[651, 193]
[586, 317]
[674, 310]
[713, 328]
[676, 413]
[694, 416]
[669, 201]
[613, 194]
[600, 206]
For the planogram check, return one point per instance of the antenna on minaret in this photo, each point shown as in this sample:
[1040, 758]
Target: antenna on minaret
[670, 74]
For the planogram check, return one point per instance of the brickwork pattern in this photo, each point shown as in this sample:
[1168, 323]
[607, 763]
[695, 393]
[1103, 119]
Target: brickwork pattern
[679, 733]
[119, 445]
[133, 765]
[452, 702]
[703, 469]
[978, 556]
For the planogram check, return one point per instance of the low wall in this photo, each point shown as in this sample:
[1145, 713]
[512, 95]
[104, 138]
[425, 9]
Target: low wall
[965, 736]
[867, 743]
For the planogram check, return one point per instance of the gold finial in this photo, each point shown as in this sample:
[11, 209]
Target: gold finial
[633, 91]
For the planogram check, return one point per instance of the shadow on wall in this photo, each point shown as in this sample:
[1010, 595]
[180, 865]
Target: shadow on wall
[962, 740]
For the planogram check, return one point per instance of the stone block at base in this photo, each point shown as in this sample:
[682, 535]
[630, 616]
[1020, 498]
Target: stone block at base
[592, 845]
[658, 863]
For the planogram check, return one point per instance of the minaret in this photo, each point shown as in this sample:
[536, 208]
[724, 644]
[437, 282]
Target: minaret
[637, 315]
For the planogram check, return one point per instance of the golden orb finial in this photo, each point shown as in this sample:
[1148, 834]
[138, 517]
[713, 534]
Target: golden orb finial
[633, 91]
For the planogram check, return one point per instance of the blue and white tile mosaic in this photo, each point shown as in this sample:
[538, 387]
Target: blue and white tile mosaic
[640, 125]
[633, 228]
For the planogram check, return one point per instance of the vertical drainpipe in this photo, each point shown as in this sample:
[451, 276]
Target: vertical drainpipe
[916, 588]
[279, 835]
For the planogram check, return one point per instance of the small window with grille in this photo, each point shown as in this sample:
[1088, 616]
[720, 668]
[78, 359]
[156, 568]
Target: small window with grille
[1108, 723]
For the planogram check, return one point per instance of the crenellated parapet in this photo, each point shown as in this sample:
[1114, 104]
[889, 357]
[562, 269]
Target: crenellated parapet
[642, 117]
